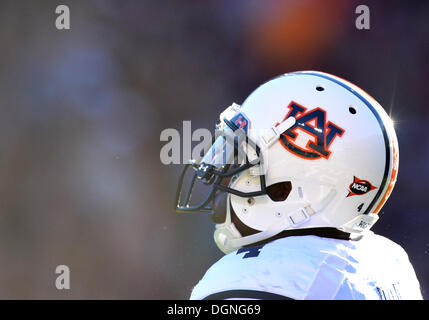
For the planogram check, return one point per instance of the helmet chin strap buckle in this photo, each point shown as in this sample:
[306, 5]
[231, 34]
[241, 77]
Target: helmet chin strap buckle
[303, 215]
[299, 217]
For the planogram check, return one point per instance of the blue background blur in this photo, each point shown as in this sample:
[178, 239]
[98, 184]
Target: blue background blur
[81, 182]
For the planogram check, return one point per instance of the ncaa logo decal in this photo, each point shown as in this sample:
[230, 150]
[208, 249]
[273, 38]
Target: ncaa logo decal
[312, 122]
[360, 187]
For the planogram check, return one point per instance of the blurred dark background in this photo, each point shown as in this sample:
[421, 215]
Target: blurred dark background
[81, 112]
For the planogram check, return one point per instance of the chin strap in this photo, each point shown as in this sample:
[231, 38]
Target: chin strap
[229, 239]
[272, 135]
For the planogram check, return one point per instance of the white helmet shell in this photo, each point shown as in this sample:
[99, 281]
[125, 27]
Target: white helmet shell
[340, 156]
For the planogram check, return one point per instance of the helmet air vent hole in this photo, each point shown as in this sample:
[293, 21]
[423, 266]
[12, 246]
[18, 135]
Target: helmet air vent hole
[352, 110]
[320, 88]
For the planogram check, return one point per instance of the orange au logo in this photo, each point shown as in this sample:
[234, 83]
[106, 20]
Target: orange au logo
[314, 123]
[359, 187]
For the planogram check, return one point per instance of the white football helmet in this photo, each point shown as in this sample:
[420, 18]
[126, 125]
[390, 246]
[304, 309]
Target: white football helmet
[329, 145]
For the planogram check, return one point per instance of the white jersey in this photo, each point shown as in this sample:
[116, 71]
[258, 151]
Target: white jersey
[311, 267]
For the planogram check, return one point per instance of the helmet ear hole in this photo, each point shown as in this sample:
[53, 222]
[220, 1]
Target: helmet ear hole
[279, 191]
